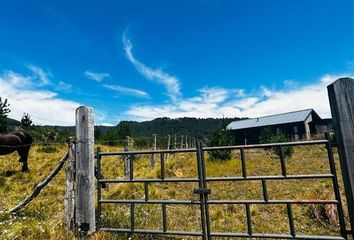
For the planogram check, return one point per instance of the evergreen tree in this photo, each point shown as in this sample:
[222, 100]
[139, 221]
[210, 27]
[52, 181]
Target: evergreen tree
[220, 137]
[26, 121]
[123, 130]
[4, 111]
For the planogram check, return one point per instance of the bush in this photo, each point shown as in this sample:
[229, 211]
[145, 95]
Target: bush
[267, 136]
[141, 142]
[220, 137]
[49, 139]
[288, 150]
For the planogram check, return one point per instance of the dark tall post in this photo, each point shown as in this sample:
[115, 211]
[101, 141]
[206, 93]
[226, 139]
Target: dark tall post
[175, 142]
[341, 98]
[168, 144]
[152, 160]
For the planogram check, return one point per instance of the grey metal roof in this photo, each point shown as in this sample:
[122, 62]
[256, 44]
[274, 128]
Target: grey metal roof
[282, 118]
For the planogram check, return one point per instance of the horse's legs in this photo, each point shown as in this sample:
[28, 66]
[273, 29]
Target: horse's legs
[23, 152]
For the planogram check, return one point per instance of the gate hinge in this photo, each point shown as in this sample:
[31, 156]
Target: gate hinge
[202, 191]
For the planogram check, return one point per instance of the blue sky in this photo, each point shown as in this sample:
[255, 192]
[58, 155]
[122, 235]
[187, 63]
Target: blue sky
[138, 60]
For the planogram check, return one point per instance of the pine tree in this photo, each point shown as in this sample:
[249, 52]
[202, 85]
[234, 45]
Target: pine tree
[4, 111]
[220, 137]
[26, 121]
[123, 130]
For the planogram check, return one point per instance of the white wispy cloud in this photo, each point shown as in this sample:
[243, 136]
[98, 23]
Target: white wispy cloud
[171, 83]
[64, 87]
[218, 102]
[40, 74]
[96, 76]
[127, 91]
[45, 107]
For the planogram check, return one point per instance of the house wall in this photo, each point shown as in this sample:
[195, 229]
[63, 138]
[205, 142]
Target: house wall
[252, 135]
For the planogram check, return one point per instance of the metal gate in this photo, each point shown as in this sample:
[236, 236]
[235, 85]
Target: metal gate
[203, 191]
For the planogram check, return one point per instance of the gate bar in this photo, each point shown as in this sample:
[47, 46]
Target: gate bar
[201, 186]
[265, 192]
[282, 161]
[291, 219]
[164, 217]
[336, 188]
[99, 186]
[211, 179]
[248, 218]
[206, 192]
[162, 159]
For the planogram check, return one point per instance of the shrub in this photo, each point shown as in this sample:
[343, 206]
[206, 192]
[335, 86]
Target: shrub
[141, 142]
[48, 140]
[267, 136]
[220, 137]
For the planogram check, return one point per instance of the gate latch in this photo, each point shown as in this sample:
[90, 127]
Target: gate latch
[202, 191]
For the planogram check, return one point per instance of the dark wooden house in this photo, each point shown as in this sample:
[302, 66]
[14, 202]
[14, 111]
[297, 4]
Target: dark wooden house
[297, 125]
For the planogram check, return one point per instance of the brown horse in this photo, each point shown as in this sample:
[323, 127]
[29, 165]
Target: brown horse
[19, 141]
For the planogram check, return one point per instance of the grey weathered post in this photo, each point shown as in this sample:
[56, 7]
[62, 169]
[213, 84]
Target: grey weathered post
[186, 142]
[152, 161]
[341, 97]
[127, 158]
[182, 141]
[168, 144]
[175, 142]
[85, 185]
[69, 197]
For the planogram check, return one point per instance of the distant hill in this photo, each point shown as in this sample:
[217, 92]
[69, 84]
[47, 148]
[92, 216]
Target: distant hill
[194, 127]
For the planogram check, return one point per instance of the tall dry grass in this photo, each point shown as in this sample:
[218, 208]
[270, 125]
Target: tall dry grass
[43, 218]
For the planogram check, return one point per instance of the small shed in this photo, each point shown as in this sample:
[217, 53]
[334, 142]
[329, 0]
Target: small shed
[296, 125]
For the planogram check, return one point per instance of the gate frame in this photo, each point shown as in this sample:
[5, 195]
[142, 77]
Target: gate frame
[203, 192]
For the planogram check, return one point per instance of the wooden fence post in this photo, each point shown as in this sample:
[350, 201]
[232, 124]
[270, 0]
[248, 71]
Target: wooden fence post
[341, 98]
[182, 141]
[69, 197]
[186, 145]
[175, 142]
[168, 144]
[126, 158]
[152, 161]
[85, 184]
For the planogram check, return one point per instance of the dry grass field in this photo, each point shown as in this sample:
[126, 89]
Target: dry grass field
[43, 218]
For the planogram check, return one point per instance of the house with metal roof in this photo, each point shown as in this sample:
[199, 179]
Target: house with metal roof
[295, 125]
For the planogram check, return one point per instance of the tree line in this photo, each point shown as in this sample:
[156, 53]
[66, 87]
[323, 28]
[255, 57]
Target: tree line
[209, 130]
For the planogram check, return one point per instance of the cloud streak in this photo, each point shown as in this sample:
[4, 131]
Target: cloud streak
[64, 87]
[40, 74]
[127, 91]
[171, 83]
[98, 77]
